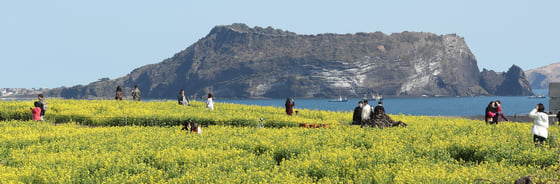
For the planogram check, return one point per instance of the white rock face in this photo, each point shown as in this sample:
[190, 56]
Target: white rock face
[347, 76]
[261, 89]
[425, 71]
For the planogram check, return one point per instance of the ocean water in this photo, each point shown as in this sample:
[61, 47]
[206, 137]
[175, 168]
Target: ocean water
[429, 106]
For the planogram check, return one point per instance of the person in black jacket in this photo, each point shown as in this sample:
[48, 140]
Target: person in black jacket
[490, 112]
[378, 109]
[357, 118]
[118, 93]
[43, 105]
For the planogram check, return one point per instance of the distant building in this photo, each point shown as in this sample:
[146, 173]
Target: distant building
[11, 92]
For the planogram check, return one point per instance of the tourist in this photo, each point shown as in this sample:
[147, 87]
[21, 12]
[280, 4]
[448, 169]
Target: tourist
[136, 93]
[183, 100]
[290, 106]
[366, 112]
[540, 124]
[499, 117]
[357, 118]
[490, 112]
[118, 93]
[382, 120]
[195, 128]
[191, 126]
[378, 109]
[36, 111]
[43, 105]
[210, 102]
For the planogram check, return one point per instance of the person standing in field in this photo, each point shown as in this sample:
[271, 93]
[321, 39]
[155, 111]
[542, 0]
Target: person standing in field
[118, 93]
[540, 124]
[183, 100]
[290, 106]
[136, 93]
[490, 112]
[210, 102]
[357, 118]
[36, 111]
[43, 105]
[366, 112]
[499, 117]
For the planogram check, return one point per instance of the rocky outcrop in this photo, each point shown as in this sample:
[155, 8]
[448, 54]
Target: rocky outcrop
[511, 83]
[237, 61]
[540, 77]
[491, 81]
[515, 83]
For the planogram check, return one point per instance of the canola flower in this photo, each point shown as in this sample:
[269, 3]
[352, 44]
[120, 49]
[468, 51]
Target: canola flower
[167, 113]
[429, 150]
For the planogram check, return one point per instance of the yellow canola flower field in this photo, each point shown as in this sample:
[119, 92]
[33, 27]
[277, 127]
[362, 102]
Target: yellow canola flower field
[167, 113]
[429, 150]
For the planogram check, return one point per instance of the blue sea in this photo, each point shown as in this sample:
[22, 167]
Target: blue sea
[428, 106]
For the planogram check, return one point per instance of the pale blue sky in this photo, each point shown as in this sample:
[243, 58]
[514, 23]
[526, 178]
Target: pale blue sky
[67, 42]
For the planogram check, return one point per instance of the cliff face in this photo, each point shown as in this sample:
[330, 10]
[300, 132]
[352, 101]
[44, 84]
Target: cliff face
[240, 62]
[540, 77]
[513, 82]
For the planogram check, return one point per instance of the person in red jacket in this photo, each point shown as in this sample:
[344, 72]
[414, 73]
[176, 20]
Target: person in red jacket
[36, 111]
[290, 106]
[499, 117]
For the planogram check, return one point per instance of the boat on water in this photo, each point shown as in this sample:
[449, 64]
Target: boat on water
[537, 96]
[339, 99]
[374, 97]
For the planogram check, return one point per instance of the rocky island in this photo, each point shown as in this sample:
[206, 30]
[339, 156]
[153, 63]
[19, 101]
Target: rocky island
[236, 61]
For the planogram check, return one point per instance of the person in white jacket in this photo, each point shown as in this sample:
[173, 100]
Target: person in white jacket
[210, 102]
[366, 111]
[540, 124]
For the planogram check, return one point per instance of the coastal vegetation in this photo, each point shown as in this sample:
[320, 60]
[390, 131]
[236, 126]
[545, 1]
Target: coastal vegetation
[84, 141]
[167, 113]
